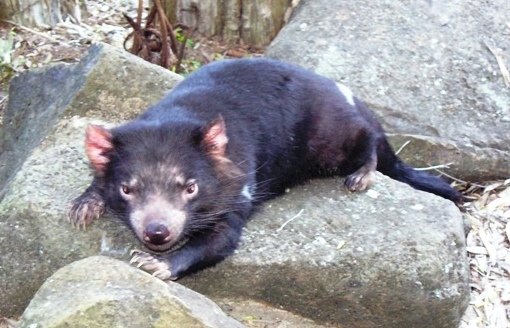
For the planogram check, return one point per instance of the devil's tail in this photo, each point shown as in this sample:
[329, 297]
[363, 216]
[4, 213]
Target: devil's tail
[389, 164]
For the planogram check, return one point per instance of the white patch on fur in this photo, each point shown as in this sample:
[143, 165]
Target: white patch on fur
[347, 93]
[177, 175]
[246, 192]
[180, 180]
[133, 182]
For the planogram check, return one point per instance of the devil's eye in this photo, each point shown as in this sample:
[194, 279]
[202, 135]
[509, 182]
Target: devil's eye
[125, 190]
[191, 188]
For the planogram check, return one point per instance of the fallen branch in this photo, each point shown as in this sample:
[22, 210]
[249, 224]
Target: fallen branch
[35, 32]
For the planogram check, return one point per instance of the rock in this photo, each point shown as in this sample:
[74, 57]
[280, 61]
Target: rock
[390, 257]
[102, 292]
[108, 84]
[259, 314]
[424, 68]
[43, 164]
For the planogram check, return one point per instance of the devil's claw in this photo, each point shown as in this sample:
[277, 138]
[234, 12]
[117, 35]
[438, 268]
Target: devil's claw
[158, 267]
[85, 209]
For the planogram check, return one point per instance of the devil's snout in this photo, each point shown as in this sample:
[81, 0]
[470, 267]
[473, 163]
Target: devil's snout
[156, 234]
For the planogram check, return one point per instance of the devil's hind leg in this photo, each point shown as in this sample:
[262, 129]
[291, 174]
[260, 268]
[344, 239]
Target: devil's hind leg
[360, 159]
[364, 176]
[348, 149]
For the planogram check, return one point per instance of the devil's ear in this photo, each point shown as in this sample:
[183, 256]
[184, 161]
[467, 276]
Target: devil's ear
[98, 143]
[214, 138]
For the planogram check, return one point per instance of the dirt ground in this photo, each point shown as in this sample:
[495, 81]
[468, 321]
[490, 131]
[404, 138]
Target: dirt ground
[488, 215]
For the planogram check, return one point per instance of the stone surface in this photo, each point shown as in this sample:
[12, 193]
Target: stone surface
[108, 84]
[43, 165]
[102, 292]
[262, 315]
[391, 257]
[424, 67]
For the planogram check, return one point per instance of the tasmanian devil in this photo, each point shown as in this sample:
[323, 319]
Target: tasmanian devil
[186, 174]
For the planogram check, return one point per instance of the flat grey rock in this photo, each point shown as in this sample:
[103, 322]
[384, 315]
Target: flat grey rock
[102, 292]
[390, 257]
[425, 69]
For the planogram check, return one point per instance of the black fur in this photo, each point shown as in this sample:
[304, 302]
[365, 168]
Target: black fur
[284, 125]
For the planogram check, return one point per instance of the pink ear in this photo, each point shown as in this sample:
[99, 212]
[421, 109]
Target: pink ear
[215, 137]
[98, 142]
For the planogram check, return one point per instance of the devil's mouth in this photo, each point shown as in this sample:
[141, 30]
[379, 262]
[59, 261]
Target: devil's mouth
[168, 247]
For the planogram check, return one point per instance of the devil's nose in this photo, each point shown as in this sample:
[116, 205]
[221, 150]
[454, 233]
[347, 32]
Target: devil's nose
[156, 234]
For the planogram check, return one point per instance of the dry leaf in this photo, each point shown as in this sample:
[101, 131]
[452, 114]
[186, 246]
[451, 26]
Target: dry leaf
[507, 230]
[488, 245]
[498, 203]
[492, 187]
[477, 250]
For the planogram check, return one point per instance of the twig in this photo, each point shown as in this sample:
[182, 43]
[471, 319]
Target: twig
[35, 32]
[135, 35]
[139, 13]
[180, 53]
[165, 50]
[292, 218]
[501, 64]
[440, 166]
[171, 35]
[402, 147]
[458, 180]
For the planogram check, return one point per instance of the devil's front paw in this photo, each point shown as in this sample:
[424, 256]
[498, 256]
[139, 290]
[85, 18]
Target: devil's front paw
[154, 265]
[85, 209]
